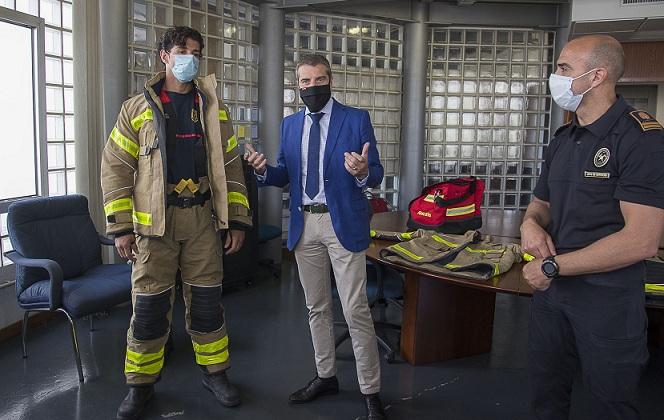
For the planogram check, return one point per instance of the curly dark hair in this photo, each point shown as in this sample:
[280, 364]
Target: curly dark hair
[178, 35]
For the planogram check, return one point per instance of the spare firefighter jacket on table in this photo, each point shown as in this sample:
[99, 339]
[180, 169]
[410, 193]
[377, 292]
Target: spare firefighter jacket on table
[175, 220]
[467, 255]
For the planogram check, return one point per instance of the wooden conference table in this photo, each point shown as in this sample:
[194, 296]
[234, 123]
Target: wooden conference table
[446, 317]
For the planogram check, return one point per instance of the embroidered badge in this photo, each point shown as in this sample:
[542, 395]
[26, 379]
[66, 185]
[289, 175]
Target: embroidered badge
[194, 115]
[602, 157]
[590, 174]
[645, 120]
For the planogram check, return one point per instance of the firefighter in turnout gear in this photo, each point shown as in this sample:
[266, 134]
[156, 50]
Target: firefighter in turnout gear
[172, 177]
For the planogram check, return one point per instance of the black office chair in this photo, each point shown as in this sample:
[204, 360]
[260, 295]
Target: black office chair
[383, 288]
[57, 253]
[267, 233]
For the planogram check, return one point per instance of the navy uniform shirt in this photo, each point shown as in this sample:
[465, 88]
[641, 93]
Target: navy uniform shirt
[589, 170]
[185, 140]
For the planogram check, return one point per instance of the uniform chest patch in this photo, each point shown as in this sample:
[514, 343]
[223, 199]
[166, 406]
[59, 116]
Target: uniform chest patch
[601, 157]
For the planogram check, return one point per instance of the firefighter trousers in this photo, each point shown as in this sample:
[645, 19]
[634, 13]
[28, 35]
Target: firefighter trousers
[191, 244]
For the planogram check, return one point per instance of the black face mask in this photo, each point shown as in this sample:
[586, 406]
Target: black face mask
[315, 97]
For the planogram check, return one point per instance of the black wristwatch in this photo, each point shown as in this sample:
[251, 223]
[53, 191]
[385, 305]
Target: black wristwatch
[550, 267]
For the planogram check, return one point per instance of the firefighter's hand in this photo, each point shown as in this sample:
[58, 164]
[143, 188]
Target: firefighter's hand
[234, 241]
[536, 241]
[358, 165]
[256, 160]
[532, 273]
[126, 246]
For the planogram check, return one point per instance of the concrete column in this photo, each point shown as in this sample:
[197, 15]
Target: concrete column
[413, 101]
[271, 105]
[89, 138]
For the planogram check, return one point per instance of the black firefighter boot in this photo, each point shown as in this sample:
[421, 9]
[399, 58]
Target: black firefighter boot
[218, 384]
[135, 401]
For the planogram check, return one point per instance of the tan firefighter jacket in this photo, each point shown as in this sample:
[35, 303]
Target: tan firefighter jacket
[467, 255]
[133, 167]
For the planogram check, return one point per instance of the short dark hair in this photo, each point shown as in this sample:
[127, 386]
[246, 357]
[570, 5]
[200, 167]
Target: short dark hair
[313, 60]
[178, 35]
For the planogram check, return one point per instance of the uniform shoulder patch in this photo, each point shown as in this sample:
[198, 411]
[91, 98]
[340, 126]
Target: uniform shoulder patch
[645, 120]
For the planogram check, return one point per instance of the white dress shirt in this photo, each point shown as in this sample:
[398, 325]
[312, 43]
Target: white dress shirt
[324, 128]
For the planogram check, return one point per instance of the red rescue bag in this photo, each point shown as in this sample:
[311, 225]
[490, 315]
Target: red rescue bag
[451, 207]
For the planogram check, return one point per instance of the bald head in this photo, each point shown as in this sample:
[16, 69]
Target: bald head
[600, 51]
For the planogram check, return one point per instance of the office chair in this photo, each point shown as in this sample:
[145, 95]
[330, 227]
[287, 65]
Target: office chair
[267, 233]
[384, 286]
[57, 253]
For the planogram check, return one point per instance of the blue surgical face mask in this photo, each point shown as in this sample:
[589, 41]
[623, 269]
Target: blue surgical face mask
[184, 67]
[562, 93]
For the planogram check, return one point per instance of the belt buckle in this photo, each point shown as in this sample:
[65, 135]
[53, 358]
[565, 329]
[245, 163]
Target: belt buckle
[318, 208]
[186, 202]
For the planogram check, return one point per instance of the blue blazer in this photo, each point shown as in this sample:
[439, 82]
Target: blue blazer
[349, 129]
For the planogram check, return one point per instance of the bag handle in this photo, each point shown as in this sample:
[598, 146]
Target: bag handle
[471, 191]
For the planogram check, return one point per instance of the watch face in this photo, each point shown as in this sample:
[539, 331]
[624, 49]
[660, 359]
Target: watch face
[549, 268]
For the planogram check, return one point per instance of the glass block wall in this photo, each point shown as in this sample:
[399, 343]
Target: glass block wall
[488, 113]
[366, 59]
[59, 50]
[230, 33]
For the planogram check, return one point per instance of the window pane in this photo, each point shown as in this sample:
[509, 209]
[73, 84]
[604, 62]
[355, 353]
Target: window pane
[17, 162]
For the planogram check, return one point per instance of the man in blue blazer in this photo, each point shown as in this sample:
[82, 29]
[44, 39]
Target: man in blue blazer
[328, 155]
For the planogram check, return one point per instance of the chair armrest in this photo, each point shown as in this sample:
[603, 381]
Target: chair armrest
[54, 273]
[105, 241]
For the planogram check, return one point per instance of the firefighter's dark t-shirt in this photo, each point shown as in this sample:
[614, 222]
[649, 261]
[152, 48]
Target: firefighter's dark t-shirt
[185, 140]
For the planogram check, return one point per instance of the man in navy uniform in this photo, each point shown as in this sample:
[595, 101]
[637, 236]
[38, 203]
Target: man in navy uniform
[597, 213]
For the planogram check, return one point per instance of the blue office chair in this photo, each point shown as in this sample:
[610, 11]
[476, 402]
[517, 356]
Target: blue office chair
[57, 253]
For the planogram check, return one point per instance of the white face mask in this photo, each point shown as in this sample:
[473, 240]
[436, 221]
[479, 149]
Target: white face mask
[561, 91]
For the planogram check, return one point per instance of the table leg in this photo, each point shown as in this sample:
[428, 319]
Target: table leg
[443, 321]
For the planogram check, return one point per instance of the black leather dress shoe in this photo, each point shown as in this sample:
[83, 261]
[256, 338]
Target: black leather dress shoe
[314, 389]
[374, 407]
[220, 386]
[135, 401]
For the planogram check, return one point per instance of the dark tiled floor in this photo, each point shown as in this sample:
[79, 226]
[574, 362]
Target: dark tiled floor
[272, 356]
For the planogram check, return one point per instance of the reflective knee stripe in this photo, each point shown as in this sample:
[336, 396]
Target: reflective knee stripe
[142, 218]
[232, 143]
[238, 198]
[223, 116]
[138, 122]
[124, 142]
[146, 363]
[118, 205]
[211, 353]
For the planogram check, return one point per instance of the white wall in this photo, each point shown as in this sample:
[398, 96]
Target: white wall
[612, 10]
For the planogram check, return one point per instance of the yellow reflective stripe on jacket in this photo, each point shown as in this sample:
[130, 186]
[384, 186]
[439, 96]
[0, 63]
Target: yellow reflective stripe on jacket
[460, 211]
[147, 363]
[124, 142]
[496, 270]
[211, 353]
[142, 218]
[232, 143]
[372, 233]
[138, 122]
[406, 235]
[654, 288]
[406, 252]
[238, 198]
[118, 205]
[444, 241]
[223, 116]
[485, 251]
